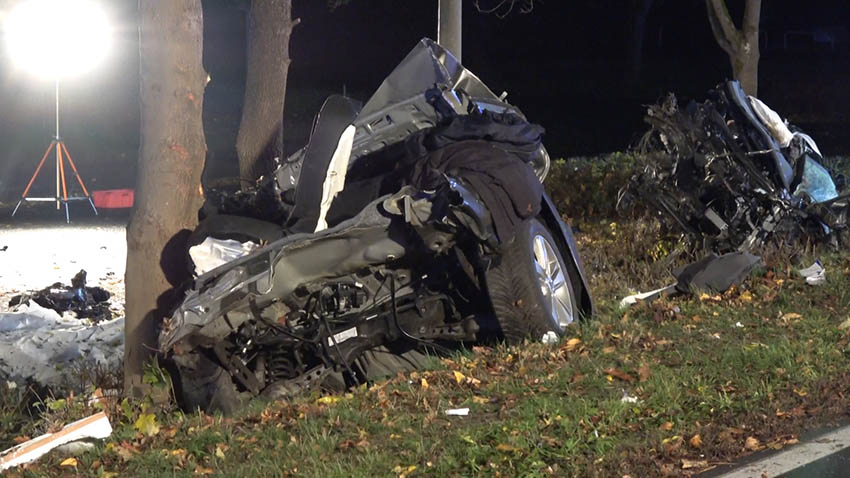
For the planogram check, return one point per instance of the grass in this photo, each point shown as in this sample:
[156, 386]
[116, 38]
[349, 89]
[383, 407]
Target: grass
[673, 387]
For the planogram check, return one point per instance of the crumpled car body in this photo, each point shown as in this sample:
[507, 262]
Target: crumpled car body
[731, 174]
[413, 222]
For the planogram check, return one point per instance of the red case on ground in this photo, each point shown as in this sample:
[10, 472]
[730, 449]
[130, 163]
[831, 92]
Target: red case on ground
[113, 198]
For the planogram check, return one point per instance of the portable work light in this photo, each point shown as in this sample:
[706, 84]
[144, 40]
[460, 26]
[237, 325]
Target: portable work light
[56, 40]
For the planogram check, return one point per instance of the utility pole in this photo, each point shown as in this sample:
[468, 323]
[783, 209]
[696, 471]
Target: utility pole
[449, 26]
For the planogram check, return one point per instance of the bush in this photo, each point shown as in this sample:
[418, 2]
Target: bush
[586, 188]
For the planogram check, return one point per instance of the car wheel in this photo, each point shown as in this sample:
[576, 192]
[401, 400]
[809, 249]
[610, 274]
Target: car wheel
[533, 290]
[203, 383]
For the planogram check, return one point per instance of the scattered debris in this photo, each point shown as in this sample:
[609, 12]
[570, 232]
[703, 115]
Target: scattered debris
[550, 338]
[85, 302]
[647, 296]
[457, 412]
[96, 426]
[731, 175]
[628, 398]
[815, 274]
[714, 274]
[40, 345]
[214, 252]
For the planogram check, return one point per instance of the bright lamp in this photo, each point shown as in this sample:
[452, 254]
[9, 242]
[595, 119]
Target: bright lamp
[56, 39]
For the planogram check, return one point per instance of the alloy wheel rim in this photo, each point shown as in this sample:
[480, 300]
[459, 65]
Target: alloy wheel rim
[551, 278]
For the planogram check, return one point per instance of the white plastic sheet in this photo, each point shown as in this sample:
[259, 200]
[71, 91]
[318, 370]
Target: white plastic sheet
[38, 344]
[214, 252]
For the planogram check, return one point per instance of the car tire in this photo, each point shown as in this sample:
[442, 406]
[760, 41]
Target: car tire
[521, 287]
[201, 383]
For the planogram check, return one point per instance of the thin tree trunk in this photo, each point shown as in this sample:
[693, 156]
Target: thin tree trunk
[269, 27]
[638, 36]
[742, 45]
[171, 160]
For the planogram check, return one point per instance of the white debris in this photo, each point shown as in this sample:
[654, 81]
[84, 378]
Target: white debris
[628, 398]
[550, 338]
[457, 412]
[739, 325]
[96, 426]
[645, 296]
[38, 344]
[214, 252]
[815, 274]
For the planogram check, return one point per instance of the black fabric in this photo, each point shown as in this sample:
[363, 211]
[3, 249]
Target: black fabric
[336, 114]
[507, 130]
[490, 153]
[716, 273]
[506, 185]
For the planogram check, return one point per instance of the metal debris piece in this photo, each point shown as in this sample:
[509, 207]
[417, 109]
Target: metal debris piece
[728, 176]
[85, 302]
[815, 274]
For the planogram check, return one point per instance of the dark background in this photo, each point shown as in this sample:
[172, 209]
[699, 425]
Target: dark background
[566, 64]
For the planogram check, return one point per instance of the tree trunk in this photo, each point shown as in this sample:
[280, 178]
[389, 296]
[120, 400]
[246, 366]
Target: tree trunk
[745, 69]
[742, 45]
[638, 36]
[269, 27]
[171, 160]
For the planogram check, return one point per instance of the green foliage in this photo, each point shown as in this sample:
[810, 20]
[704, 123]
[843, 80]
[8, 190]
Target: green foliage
[586, 188]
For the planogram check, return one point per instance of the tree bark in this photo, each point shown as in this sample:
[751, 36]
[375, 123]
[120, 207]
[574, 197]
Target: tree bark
[171, 159]
[638, 35]
[269, 27]
[742, 45]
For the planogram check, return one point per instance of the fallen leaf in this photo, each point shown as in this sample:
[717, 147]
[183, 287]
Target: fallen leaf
[695, 441]
[403, 471]
[644, 372]
[688, 464]
[69, 462]
[746, 296]
[147, 424]
[480, 400]
[792, 316]
[666, 426]
[504, 447]
[844, 325]
[328, 399]
[459, 377]
[424, 384]
[751, 444]
[219, 450]
[619, 374]
[199, 470]
[571, 344]
[609, 350]
[672, 444]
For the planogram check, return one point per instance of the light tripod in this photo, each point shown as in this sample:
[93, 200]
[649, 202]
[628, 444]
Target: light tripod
[61, 154]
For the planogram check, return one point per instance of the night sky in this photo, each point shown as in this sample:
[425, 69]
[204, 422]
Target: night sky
[566, 65]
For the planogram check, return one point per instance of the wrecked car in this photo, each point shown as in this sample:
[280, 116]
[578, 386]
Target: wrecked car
[415, 222]
[731, 175]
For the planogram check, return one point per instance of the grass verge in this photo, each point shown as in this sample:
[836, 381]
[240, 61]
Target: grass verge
[672, 388]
